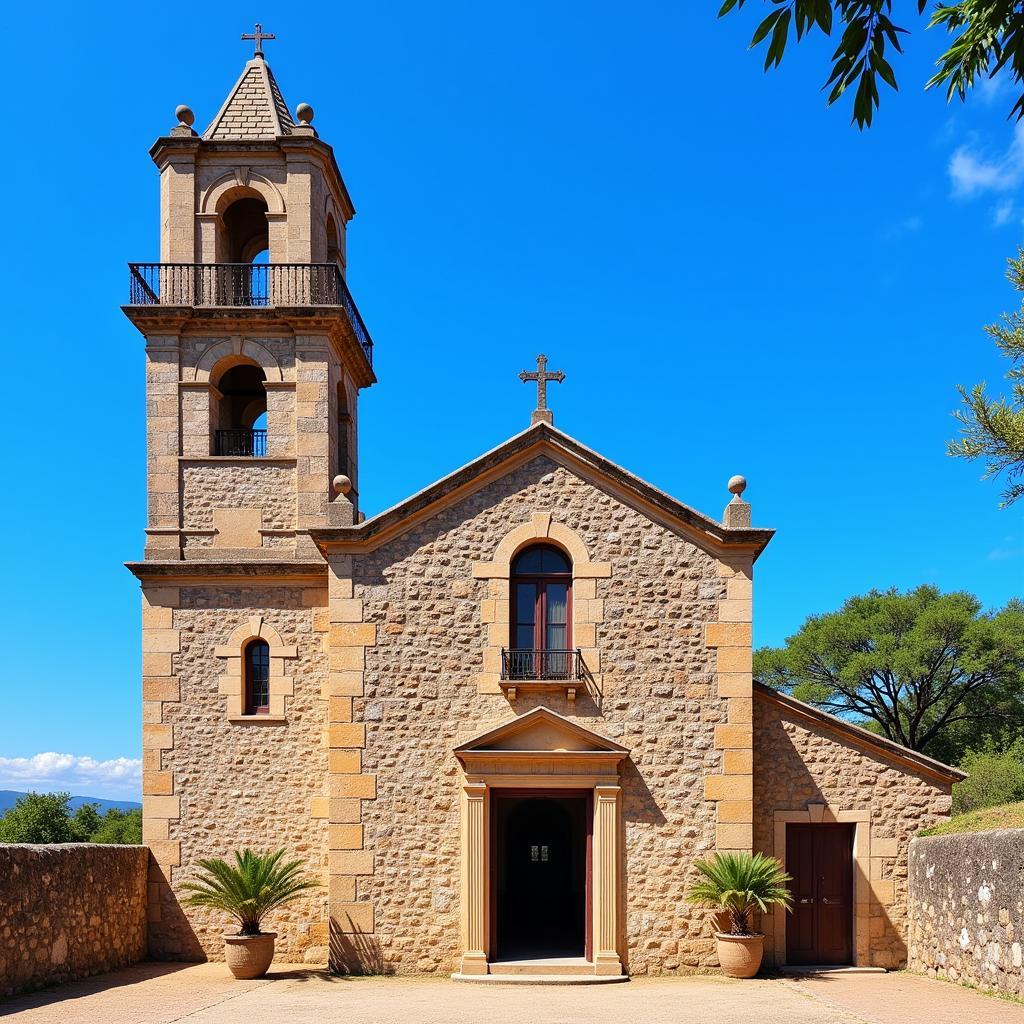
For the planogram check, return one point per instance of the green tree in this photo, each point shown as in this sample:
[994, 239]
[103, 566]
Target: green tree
[39, 818]
[987, 37]
[47, 818]
[994, 777]
[84, 822]
[992, 429]
[122, 827]
[914, 666]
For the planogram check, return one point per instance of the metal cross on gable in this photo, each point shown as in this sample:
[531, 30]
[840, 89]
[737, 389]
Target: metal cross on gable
[542, 414]
[259, 35]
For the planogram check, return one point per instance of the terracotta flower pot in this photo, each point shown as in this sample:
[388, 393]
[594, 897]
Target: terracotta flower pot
[740, 955]
[249, 956]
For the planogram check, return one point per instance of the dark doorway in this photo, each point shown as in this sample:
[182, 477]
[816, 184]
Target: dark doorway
[820, 859]
[541, 875]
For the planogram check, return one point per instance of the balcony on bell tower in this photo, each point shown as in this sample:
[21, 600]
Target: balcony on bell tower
[257, 351]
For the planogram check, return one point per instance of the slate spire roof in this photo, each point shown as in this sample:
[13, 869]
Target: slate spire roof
[254, 109]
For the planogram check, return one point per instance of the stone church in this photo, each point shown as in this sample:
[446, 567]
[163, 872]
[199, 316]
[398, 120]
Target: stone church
[499, 720]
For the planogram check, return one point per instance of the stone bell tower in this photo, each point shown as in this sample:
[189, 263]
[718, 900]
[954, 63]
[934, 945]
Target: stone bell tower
[255, 357]
[256, 352]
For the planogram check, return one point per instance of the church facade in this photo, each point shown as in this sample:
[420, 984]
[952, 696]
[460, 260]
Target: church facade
[499, 720]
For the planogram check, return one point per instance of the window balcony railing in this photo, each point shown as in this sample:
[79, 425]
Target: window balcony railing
[522, 665]
[246, 285]
[240, 442]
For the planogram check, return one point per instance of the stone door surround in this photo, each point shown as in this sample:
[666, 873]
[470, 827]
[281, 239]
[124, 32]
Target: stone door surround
[870, 853]
[540, 750]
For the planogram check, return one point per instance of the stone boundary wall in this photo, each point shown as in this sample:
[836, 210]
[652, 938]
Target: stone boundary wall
[967, 909]
[69, 911]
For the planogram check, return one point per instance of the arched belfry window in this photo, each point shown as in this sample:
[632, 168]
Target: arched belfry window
[541, 620]
[257, 677]
[245, 229]
[241, 427]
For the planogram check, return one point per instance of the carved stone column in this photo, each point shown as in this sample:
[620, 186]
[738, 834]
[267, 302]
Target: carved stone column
[474, 878]
[606, 880]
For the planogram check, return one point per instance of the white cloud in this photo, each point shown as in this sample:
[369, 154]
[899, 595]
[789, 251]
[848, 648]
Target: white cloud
[1002, 213]
[1009, 548]
[989, 90]
[118, 778]
[973, 172]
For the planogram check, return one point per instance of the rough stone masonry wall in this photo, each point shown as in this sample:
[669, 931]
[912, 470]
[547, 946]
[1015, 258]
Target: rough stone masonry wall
[69, 911]
[239, 783]
[967, 908]
[421, 699]
[796, 766]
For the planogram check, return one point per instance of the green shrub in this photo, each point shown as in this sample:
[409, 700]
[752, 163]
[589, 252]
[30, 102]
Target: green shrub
[996, 777]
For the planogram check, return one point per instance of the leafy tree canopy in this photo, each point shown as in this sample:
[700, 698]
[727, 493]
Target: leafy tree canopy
[987, 37]
[47, 818]
[992, 429]
[917, 666]
[39, 818]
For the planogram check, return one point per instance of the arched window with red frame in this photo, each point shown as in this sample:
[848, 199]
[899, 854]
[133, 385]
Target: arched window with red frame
[257, 677]
[541, 640]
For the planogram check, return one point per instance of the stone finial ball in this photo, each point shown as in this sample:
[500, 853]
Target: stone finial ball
[304, 112]
[184, 115]
[342, 484]
[737, 485]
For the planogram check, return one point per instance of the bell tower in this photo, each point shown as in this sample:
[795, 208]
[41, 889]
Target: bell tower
[256, 352]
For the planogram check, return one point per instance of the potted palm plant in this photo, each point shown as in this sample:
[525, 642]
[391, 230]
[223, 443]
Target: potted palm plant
[248, 889]
[738, 884]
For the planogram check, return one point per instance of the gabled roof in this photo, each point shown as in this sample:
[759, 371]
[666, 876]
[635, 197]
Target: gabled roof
[541, 439]
[807, 713]
[254, 109]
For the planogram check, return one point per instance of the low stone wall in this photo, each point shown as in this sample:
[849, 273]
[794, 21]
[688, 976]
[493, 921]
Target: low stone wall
[69, 911]
[967, 908]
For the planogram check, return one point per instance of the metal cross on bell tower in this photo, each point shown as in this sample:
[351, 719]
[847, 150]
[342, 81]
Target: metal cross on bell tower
[258, 36]
[542, 414]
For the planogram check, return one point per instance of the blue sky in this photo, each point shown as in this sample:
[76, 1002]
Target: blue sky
[733, 279]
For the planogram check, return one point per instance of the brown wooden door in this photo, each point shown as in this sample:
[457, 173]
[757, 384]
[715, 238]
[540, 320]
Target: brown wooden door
[820, 859]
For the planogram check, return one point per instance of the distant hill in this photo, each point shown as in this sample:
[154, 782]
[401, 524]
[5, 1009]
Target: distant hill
[8, 798]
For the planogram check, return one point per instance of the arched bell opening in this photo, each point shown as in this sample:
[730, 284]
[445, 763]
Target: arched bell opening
[241, 415]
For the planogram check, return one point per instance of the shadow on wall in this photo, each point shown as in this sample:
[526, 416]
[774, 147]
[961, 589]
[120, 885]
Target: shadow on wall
[356, 952]
[171, 935]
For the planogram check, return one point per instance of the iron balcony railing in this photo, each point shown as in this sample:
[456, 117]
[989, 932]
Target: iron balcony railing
[246, 285]
[528, 664]
[240, 442]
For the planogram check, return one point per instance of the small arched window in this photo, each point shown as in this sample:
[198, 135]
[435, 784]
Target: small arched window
[541, 641]
[257, 677]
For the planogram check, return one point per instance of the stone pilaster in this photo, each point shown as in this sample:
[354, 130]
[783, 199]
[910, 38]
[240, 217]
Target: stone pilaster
[312, 433]
[351, 920]
[606, 889]
[731, 637]
[162, 446]
[160, 686]
[474, 878]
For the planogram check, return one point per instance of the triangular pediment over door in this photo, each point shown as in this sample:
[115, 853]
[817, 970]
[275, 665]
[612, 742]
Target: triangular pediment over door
[542, 742]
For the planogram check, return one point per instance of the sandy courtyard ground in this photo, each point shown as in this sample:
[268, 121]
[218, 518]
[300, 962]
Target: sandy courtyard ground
[206, 994]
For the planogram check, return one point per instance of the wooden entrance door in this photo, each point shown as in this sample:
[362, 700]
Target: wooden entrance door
[820, 859]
